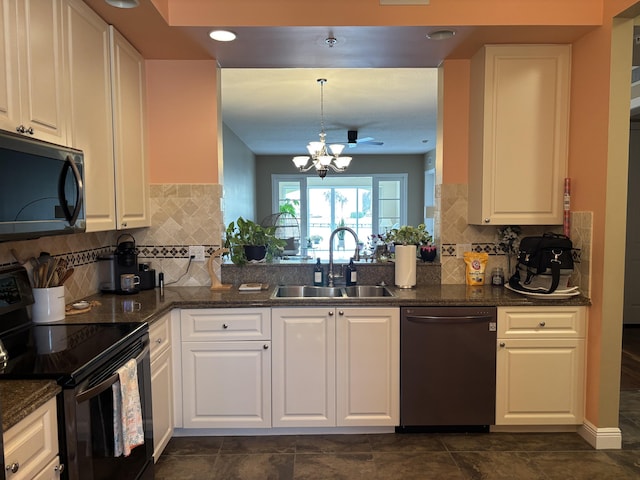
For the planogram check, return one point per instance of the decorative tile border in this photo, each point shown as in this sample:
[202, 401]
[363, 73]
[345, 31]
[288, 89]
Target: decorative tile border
[449, 250]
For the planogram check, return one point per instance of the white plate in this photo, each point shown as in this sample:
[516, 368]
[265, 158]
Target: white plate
[80, 305]
[558, 294]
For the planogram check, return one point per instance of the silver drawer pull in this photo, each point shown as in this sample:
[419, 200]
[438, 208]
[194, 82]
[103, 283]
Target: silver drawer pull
[13, 468]
[542, 324]
[159, 341]
[59, 468]
[225, 326]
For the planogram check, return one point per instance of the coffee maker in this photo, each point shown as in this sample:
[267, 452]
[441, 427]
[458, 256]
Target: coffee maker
[122, 261]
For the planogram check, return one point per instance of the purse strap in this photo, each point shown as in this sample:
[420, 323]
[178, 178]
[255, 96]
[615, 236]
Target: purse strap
[514, 281]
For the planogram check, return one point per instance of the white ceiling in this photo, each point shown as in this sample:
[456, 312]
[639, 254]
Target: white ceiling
[277, 111]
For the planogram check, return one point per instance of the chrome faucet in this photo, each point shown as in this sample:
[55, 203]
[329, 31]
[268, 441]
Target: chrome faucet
[356, 256]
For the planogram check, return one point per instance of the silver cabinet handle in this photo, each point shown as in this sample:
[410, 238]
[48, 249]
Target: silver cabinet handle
[265, 346]
[487, 220]
[13, 468]
[23, 129]
[340, 312]
[542, 324]
[331, 313]
[225, 326]
[159, 341]
[59, 468]
[502, 344]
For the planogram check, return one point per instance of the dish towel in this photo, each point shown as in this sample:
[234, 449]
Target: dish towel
[127, 411]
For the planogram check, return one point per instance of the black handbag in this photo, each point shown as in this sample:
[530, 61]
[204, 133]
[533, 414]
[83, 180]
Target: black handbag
[544, 263]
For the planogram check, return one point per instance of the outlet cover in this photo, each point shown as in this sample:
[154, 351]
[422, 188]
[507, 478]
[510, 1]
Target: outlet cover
[461, 248]
[197, 252]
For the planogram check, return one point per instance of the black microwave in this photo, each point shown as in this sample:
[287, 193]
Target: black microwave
[41, 188]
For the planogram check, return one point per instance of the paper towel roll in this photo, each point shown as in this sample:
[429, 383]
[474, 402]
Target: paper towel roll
[405, 272]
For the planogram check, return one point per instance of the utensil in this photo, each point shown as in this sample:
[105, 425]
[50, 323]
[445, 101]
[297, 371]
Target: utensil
[66, 276]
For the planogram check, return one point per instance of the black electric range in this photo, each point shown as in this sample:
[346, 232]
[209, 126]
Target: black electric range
[83, 358]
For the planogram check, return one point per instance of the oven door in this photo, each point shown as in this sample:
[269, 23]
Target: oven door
[89, 423]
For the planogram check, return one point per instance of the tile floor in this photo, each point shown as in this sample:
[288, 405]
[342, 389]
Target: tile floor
[438, 456]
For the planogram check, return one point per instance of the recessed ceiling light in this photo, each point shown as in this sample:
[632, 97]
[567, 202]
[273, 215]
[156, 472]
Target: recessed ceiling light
[123, 3]
[441, 34]
[222, 35]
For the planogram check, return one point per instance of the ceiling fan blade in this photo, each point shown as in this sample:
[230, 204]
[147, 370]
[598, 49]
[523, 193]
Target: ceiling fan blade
[373, 143]
[364, 140]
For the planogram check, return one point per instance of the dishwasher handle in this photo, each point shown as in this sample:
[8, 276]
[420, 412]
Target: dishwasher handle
[449, 319]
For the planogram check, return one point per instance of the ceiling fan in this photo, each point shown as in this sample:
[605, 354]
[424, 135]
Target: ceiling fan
[354, 141]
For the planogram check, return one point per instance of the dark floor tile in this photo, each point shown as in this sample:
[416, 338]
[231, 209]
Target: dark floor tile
[417, 466]
[262, 466]
[185, 467]
[347, 466]
[406, 442]
[629, 401]
[260, 444]
[333, 444]
[193, 446]
[630, 460]
[497, 466]
[630, 426]
[472, 442]
[581, 466]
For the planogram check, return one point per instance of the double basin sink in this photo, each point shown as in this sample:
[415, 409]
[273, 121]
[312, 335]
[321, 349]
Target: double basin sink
[311, 291]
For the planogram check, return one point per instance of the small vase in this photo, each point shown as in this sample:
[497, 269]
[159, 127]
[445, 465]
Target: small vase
[428, 254]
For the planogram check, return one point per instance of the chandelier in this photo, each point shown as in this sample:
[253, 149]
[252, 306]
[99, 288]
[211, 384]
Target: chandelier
[320, 157]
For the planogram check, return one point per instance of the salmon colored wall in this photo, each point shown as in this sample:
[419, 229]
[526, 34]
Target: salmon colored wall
[455, 144]
[182, 120]
[370, 12]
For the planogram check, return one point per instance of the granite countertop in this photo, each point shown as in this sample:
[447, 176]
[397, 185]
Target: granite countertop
[19, 398]
[149, 305]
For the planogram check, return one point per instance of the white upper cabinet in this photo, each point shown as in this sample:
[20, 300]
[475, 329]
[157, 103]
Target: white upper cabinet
[87, 48]
[519, 114]
[129, 124]
[33, 93]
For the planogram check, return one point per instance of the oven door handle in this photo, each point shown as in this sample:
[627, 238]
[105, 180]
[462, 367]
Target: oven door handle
[106, 383]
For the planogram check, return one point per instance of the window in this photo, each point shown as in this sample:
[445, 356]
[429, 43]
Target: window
[367, 204]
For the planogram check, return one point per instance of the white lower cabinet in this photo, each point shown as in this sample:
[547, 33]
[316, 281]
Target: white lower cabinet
[540, 365]
[335, 367]
[31, 446]
[226, 368]
[161, 383]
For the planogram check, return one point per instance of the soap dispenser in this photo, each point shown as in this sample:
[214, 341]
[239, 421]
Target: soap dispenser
[351, 274]
[318, 274]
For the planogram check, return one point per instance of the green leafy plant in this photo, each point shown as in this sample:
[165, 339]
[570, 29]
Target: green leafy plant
[409, 235]
[243, 233]
[289, 206]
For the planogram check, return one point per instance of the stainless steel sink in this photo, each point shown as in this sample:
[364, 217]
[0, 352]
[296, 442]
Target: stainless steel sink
[367, 291]
[307, 291]
[310, 291]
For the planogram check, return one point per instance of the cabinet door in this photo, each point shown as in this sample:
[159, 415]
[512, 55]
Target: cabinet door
[540, 382]
[303, 367]
[519, 114]
[128, 83]
[53, 471]
[87, 43]
[43, 93]
[368, 366]
[226, 384]
[9, 77]
[162, 401]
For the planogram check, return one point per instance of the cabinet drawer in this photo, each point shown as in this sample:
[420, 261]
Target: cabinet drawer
[160, 336]
[542, 322]
[32, 443]
[225, 324]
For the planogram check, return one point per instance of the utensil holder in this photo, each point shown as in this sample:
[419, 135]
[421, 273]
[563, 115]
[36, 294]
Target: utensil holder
[49, 304]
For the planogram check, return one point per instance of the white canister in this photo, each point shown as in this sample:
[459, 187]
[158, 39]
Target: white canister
[49, 304]
[405, 271]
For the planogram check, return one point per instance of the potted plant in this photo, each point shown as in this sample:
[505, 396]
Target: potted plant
[250, 241]
[406, 240]
[409, 235]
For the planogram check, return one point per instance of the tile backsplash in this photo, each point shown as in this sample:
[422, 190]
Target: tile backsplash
[183, 215]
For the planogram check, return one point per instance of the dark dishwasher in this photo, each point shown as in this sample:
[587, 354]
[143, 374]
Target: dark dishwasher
[447, 368]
